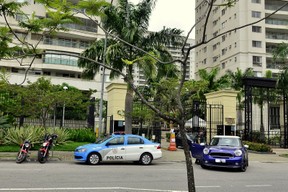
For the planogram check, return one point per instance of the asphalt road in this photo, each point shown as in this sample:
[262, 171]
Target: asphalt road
[159, 177]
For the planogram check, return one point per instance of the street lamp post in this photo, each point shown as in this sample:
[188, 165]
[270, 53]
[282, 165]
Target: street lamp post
[63, 115]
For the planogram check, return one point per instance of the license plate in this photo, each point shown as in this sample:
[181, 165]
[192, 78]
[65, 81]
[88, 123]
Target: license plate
[220, 160]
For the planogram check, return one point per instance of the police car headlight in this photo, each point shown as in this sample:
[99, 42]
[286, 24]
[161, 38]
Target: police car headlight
[82, 150]
[238, 153]
[205, 151]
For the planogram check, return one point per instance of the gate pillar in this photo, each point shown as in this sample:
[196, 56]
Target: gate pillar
[116, 93]
[226, 98]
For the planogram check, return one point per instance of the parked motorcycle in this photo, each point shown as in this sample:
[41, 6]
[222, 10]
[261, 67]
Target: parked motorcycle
[43, 153]
[23, 152]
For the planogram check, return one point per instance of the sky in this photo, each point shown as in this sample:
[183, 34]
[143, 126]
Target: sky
[172, 13]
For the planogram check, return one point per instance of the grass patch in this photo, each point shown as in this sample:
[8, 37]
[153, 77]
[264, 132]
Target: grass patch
[9, 148]
[68, 146]
[284, 155]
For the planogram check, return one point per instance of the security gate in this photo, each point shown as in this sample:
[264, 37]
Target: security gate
[208, 120]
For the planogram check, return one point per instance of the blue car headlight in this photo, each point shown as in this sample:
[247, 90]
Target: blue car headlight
[81, 150]
[238, 152]
[205, 151]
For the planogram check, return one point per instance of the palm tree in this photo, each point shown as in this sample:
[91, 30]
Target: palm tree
[260, 97]
[212, 82]
[130, 23]
[282, 85]
[236, 80]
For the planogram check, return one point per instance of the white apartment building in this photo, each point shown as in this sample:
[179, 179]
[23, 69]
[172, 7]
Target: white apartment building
[176, 54]
[249, 47]
[59, 68]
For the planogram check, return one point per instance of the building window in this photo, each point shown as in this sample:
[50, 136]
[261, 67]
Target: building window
[256, 1]
[256, 29]
[223, 11]
[274, 117]
[257, 61]
[224, 51]
[256, 44]
[257, 73]
[256, 14]
[223, 65]
[60, 59]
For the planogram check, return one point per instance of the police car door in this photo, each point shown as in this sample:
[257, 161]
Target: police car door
[134, 148]
[115, 150]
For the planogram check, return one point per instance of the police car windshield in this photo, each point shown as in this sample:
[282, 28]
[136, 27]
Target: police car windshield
[103, 140]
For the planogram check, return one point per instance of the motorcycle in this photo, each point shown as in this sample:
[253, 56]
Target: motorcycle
[23, 152]
[43, 153]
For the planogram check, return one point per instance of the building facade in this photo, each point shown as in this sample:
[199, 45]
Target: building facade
[59, 68]
[248, 47]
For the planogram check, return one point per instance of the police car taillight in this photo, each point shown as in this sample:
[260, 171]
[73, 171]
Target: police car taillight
[159, 147]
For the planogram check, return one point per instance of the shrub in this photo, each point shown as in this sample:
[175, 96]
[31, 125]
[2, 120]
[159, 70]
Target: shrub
[256, 137]
[82, 135]
[168, 136]
[62, 133]
[34, 134]
[259, 147]
[18, 135]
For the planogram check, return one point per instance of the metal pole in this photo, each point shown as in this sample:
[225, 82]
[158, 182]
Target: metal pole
[63, 115]
[102, 87]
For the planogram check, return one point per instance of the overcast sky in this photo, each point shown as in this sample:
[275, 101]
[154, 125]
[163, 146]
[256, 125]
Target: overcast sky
[173, 14]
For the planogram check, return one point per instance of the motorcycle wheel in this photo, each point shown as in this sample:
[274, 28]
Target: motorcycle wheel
[21, 157]
[41, 157]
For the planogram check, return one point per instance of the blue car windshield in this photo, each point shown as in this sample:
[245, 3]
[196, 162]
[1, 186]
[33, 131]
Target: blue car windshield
[232, 142]
[103, 140]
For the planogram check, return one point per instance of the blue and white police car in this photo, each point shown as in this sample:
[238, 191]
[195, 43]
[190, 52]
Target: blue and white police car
[119, 147]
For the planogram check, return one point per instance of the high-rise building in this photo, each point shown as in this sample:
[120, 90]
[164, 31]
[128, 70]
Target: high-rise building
[139, 78]
[59, 68]
[249, 47]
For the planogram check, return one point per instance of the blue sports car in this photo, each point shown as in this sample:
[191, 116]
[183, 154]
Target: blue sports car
[119, 147]
[223, 151]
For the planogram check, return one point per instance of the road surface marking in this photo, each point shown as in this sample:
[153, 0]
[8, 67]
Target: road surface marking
[258, 185]
[87, 188]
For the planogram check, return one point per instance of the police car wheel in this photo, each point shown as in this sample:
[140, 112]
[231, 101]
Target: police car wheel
[93, 159]
[146, 159]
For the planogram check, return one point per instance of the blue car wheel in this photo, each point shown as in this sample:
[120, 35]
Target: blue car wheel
[243, 166]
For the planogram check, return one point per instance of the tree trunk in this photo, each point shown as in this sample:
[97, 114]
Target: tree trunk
[262, 131]
[188, 158]
[128, 110]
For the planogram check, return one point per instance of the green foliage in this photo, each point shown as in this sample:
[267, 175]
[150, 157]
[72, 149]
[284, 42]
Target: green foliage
[62, 133]
[69, 146]
[82, 135]
[259, 147]
[168, 137]
[16, 136]
[257, 137]
[9, 148]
